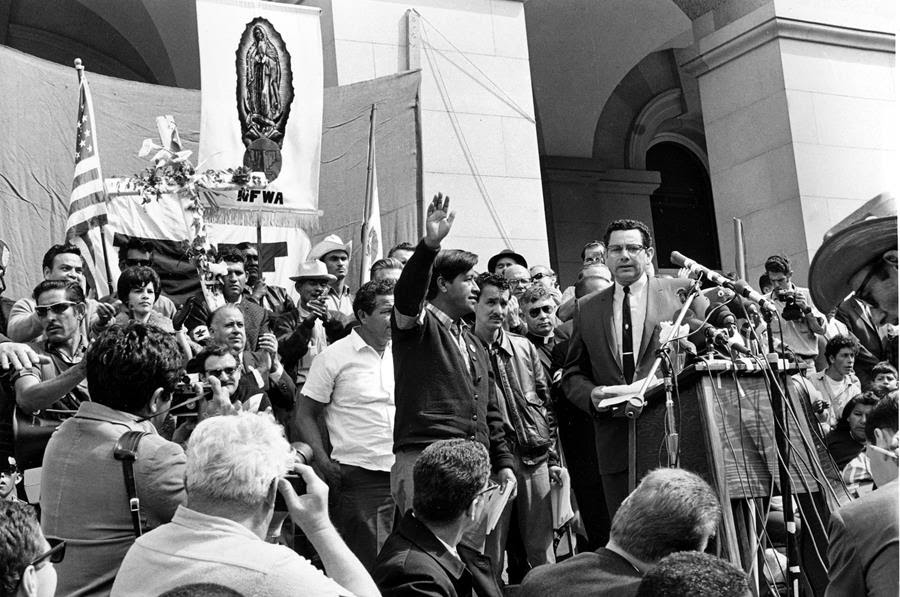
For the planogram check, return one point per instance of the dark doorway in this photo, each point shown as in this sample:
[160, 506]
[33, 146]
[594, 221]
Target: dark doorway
[682, 207]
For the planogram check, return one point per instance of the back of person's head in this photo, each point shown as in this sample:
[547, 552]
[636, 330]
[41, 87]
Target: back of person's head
[404, 246]
[448, 265]
[592, 278]
[52, 252]
[447, 476]
[778, 264]
[365, 299]
[670, 510]
[74, 292]
[233, 460]
[838, 343]
[127, 363]
[201, 589]
[20, 543]
[383, 264]
[694, 574]
[883, 416]
[628, 225]
[135, 278]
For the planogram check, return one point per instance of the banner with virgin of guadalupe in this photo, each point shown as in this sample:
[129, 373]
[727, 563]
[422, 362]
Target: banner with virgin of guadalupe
[261, 87]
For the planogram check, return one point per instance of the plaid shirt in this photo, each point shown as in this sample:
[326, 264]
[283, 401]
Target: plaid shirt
[857, 471]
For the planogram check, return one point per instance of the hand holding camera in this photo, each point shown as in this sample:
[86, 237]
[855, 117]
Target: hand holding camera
[308, 510]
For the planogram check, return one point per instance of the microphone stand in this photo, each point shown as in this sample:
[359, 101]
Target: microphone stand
[671, 431]
[778, 385]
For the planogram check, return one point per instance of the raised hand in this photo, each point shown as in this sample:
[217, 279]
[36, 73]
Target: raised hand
[439, 221]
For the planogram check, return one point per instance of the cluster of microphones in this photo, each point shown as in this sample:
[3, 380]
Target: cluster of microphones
[724, 317]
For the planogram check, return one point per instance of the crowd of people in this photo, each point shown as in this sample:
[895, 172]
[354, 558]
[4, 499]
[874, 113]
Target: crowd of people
[405, 438]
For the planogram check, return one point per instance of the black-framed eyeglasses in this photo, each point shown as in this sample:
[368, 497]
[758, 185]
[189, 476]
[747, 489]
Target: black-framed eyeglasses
[535, 311]
[541, 276]
[630, 249]
[229, 371]
[55, 554]
[58, 308]
[138, 262]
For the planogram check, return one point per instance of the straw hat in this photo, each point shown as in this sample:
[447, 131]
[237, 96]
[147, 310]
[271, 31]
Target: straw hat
[330, 243]
[313, 270]
[851, 244]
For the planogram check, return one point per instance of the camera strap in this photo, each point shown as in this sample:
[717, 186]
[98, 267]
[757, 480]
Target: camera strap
[126, 452]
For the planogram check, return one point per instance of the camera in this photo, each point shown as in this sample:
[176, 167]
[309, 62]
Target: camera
[184, 391]
[791, 311]
[299, 486]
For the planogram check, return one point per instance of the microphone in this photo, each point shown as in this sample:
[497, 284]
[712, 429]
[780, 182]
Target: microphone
[744, 289]
[723, 340]
[713, 276]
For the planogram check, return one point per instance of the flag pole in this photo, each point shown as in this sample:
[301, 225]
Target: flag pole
[370, 182]
[79, 68]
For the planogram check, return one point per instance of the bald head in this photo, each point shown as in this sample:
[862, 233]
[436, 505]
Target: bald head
[592, 279]
[226, 326]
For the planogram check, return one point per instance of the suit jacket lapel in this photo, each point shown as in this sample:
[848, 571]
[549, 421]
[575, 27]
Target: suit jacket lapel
[651, 316]
[606, 321]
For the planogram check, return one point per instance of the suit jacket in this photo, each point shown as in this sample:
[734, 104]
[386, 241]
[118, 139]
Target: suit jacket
[255, 379]
[863, 546]
[871, 346]
[593, 360]
[598, 573]
[196, 312]
[414, 562]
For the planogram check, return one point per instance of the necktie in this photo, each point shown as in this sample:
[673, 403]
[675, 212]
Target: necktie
[627, 348]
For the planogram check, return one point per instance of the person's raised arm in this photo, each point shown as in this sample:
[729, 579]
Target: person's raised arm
[412, 287]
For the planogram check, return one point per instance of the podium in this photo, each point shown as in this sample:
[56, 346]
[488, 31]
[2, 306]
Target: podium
[726, 430]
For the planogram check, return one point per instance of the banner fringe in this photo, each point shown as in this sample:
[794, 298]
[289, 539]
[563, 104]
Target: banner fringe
[281, 218]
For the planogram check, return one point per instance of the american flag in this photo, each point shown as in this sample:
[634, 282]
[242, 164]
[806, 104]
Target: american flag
[87, 205]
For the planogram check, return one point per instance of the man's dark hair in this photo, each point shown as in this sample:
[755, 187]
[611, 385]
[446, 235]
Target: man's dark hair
[386, 263]
[135, 278]
[693, 573]
[198, 363]
[764, 282]
[670, 510]
[883, 416]
[495, 280]
[593, 243]
[883, 368]
[778, 264]
[404, 246]
[127, 363]
[20, 543]
[368, 293]
[135, 244]
[231, 256]
[627, 225]
[447, 476]
[201, 589]
[55, 250]
[864, 399]
[837, 343]
[244, 245]
[447, 265]
[73, 290]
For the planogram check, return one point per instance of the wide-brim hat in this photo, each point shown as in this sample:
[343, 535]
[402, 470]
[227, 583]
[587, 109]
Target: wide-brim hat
[492, 262]
[330, 243]
[313, 270]
[848, 246]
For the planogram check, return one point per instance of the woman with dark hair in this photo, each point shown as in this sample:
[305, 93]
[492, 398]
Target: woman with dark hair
[138, 288]
[848, 438]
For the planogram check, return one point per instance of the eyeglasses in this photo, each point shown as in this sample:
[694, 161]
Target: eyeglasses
[229, 371]
[58, 308]
[138, 262]
[541, 276]
[55, 554]
[491, 486]
[535, 311]
[592, 260]
[630, 249]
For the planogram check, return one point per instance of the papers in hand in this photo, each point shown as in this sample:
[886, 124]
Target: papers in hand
[561, 500]
[496, 502]
[606, 397]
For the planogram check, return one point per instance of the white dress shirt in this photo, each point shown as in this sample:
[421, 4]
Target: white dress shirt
[638, 301]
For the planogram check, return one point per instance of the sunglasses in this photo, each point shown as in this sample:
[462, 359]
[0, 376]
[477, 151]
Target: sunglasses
[58, 308]
[229, 371]
[55, 554]
[535, 311]
[138, 262]
[541, 276]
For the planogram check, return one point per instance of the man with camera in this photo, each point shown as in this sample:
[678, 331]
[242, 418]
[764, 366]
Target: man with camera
[236, 467]
[799, 323]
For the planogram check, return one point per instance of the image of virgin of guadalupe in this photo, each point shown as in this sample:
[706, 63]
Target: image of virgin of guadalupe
[263, 79]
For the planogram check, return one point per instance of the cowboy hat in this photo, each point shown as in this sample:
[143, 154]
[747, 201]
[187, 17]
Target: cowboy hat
[330, 243]
[492, 262]
[313, 270]
[849, 246]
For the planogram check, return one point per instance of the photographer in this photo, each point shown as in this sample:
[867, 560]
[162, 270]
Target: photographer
[235, 468]
[799, 322]
[131, 373]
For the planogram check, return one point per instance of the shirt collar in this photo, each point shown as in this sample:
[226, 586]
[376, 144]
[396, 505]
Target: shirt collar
[199, 521]
[445, 319]
[541, 339]
[636, 287]
[345, 291]
[76, 355]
